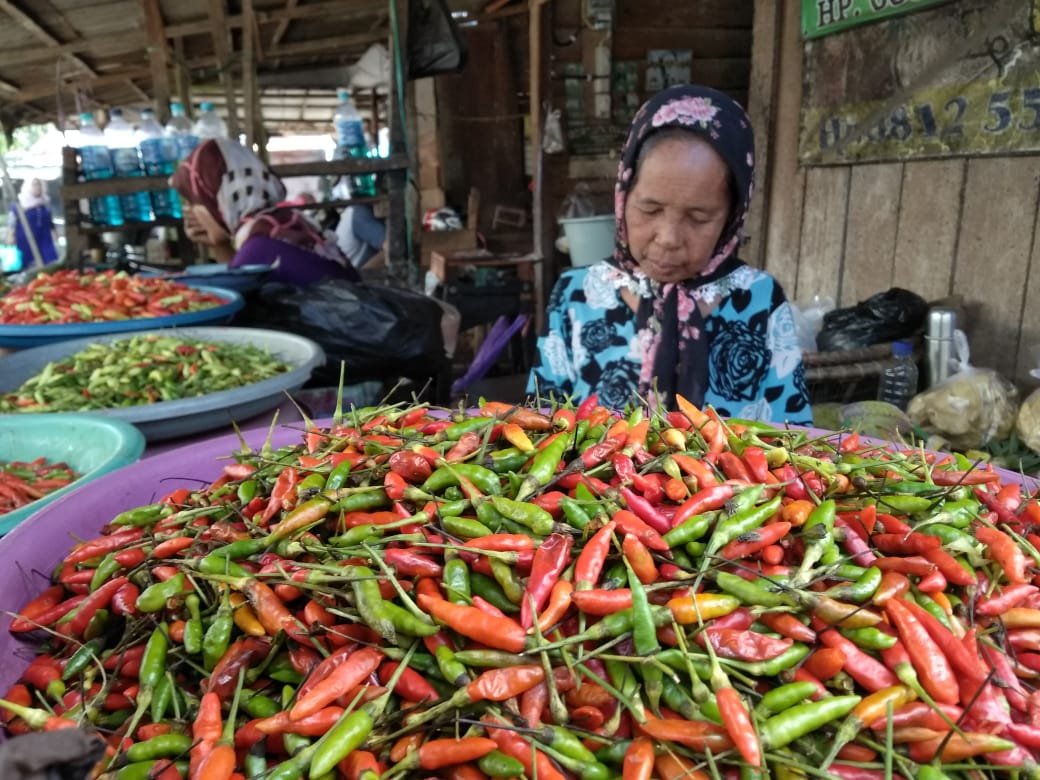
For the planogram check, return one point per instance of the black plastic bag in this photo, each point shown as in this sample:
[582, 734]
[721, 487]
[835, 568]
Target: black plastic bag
[887, 316]
[378, 332]
[435, 45]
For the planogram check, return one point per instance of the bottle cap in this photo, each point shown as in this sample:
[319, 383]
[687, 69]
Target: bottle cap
[87, 117]
[902, 349]
[176, 108]
[147, 113]
[206, 106]
[342, 94]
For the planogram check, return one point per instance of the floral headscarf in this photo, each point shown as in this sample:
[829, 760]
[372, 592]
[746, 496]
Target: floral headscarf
[243, 195]
[669, 320]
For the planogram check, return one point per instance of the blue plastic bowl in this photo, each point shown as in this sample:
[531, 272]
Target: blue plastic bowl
[24, 336]
[91, 445]
[243, 279]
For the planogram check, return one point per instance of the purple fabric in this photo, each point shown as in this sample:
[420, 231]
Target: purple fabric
[492, 346]
[42, 227]
[297, 266]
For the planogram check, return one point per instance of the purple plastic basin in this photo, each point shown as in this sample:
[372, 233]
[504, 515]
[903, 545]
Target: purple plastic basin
[33, 549]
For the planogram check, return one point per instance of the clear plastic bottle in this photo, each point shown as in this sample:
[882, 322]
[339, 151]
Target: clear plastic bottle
[209, 124]
[96, 165]
[122, 143]
[180, 130]
[350, 141]
[898, 382]
[159, 158]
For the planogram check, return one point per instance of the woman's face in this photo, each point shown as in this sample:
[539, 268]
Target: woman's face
[37, 188]
[677, 209]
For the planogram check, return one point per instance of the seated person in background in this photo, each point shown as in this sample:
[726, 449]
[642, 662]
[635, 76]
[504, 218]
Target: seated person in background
[674, 311]
[36, 205]
[232, 207]
[360, 234]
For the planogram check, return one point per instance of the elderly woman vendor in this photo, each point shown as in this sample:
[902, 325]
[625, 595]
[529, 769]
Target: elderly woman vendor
[674, 310]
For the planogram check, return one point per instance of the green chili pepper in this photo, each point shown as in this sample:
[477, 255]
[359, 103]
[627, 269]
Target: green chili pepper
[405, 622]
[960, 514]
[741, 523]
[485, 480]
[86, 654]
[143, 770]
[362, 501]
[97, 625]
[858, 591]
[349, 733]
[153, 662]
[689, 530]
[676, 699]
[472, 425]
[504, 461]
[489, 590]
[108, 566]
[141, 516]
[451, 669]
[528, 515]
[574, 513]
[338, 476]
[750, 592]
[624, 680]
[788, 659]
[217, 636]
[644, 637]
[246, 491]
[161, 698]
[543, 468]
[784, 697]
[464, 527]
[490, 659]
[454, 508]
[257, 705]
[498, 764]
[869, 638]
[614, 753]
[254, 763]
[904, 504]
[456, 580]
[791, 724]
[219, 564]
[928, 604]
[314, 481]
[505, 576]
[154, 597]
[614, 577]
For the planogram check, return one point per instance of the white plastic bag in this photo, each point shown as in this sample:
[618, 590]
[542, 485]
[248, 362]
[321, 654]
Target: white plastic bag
[809, 320]
[552, 138]
[970, 409]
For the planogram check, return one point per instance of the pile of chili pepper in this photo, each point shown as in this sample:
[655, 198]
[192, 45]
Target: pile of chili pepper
[70, 296]
[22, 482]
[139, 370]
[562, 594]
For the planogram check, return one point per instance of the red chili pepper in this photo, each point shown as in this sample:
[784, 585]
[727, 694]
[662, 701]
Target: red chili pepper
[590, 561]
[602, 602]
[640, 559]
[733, 467]
[738, 725]
[863, 668]
[586, 407]
[411, 686]
[131, 557]
[75, 622]
[786, 624]
[550, 559]
[928, 660]
[103, 545]
[411, 563]
[742, 645]
[1004, 551]
[752, 542]
[39, 606]
[499, 633]
[628, 523]
[239, 655]
[825, 663]
[1004, 599]
[599, 453]
[705, 500]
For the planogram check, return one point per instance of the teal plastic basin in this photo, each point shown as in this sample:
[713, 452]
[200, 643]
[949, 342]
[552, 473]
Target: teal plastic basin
[90, 444]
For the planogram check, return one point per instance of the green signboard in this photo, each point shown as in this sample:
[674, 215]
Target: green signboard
[823, 17]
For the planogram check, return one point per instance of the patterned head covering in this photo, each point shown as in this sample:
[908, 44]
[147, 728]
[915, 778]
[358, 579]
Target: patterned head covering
[668, 319]
[243, 195]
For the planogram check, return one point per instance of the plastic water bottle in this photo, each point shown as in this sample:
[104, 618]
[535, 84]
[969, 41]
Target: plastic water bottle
[122, 142]
[209, 124]
[350, 141]
[159, 158]
[180, 130]
[96, 165]
[898, 382]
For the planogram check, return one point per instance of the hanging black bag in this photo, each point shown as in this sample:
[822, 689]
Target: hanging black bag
[435, 44]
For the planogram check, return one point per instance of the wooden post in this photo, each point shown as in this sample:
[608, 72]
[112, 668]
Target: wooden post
[183, 78]
[398, 240]
[222, 48]
[534, 30]
[75, 242]
[249, 88]
[159, 57]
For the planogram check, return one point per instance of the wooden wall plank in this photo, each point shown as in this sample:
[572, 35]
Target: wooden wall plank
[926, 239]
[823, 233]
[686, 13]
[762, 97]
[1028, 354]
[870, 240]
[786, 180]
[631, 43]
[993, 250]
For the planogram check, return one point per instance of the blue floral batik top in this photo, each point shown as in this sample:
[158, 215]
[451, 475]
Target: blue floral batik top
[592, 344]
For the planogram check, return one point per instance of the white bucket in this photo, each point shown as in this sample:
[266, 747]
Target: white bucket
[590, 239]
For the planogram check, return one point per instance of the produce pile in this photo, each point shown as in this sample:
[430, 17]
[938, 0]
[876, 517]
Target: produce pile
[508, 593]
[142, 369]
[22, 482]
[68, 296]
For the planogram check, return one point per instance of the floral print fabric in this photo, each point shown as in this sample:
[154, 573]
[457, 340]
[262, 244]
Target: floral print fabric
[595, 345]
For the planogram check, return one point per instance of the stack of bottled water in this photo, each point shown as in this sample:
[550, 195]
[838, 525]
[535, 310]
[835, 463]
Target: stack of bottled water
[96, 165]
[209, 124]
[159, 158]
[122, 143]
[350, 141]
[180, 130]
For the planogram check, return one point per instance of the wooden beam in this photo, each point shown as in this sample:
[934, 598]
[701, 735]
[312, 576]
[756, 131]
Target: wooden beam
[122, 40]
[158, 57]
[324, 45]
[200, 26]
[31, 92]
[333, 9]
[138, 91]
[283, 25]
[534, 42]
[345, 167]
[182, 77]
[222, 47]
[29, 24]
